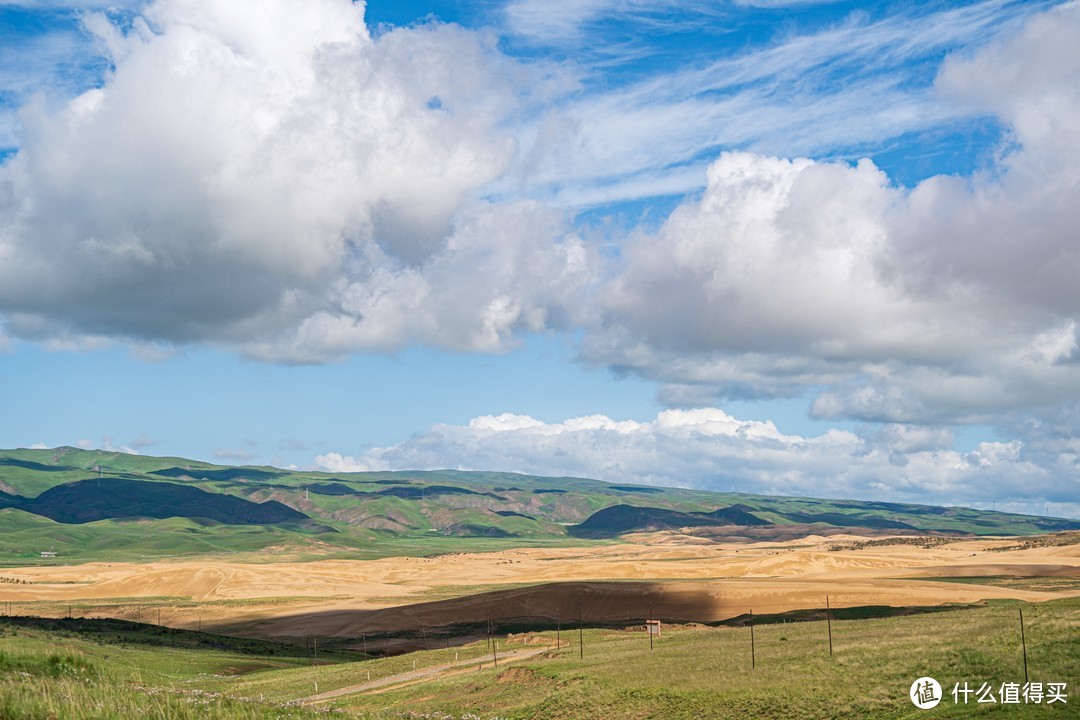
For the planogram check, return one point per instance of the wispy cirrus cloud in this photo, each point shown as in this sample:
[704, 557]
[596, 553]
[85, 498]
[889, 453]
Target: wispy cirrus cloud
[567, 22]
[840, 89]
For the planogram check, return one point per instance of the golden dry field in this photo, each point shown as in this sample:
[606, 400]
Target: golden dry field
[665, 575]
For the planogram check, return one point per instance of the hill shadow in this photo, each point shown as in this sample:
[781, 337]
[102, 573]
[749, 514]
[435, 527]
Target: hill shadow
[111, 498]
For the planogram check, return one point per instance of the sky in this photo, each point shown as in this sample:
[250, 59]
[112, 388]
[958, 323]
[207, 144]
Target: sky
[799, 247]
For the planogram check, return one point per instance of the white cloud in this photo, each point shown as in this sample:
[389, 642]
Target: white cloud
[154, 352]
[107, 445]
[232, 455]
[707, 448]
[338, 463]
[269, 177]
[553, 21]
[51, 65]
[570, 22]
[274, 180]
[141, 441]
[561, 22]
[952, 302]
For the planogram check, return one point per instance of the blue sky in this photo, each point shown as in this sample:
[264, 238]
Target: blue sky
[819, 248]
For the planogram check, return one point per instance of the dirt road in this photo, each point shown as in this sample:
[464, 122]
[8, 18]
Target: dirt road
[394, 682]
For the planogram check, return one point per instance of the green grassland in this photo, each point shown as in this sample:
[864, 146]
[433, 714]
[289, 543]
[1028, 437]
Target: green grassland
[24, 536]
[113, 669]
[706, 672]
[1033, 584]
[109, 669]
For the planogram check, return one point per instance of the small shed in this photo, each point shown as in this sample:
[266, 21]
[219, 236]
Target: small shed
[48, 554]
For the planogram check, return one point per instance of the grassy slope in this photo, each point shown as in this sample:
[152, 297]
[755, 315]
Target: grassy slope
[692, 672]
[363, 525]
[706, 673]
[125, 670]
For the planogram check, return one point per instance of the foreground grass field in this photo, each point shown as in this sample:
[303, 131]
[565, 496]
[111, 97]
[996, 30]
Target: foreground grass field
[84, 669]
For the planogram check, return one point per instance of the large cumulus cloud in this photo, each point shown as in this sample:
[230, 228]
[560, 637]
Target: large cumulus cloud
[270, 177]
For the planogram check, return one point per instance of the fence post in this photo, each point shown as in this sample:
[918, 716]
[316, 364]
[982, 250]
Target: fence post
[753, 653]
[828, 619]
[581, 636]
[648, 627]
[1023, 641]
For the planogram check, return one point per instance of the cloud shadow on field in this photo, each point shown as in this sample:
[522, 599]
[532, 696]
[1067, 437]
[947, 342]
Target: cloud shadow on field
[464, 619]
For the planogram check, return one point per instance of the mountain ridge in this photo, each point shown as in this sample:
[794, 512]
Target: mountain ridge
[428, 512]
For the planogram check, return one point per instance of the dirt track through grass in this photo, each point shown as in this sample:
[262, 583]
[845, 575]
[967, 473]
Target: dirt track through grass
[401, 680]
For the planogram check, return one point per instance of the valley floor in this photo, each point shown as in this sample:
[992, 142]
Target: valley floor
[665, 576]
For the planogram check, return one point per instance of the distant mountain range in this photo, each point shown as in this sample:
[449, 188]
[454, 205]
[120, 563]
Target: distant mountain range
[169, 506]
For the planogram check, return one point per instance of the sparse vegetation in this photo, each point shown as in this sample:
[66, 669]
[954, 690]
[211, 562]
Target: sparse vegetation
[1033, 584]
[922, 541]
[1056, 540]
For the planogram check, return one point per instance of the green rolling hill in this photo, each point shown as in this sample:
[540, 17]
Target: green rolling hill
[92, 505]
